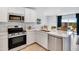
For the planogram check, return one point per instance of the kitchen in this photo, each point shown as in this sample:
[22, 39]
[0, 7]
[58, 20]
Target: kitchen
[52, 28]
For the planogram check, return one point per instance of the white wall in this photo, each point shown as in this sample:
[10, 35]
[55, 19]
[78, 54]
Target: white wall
[32, 24]
[52, 20]
[40, 15]
[49, 20]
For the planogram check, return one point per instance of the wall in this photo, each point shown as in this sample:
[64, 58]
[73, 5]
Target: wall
[41, 16]
[51, 21]
[32, 24]
[13, 24]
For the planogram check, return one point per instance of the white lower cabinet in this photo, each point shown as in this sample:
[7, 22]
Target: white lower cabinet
[55, 43]
[59, 44]
[42, 38]
[30, 37]
[51, 43]
[3, 43]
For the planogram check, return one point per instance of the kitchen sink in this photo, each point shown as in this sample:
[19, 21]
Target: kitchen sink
[45, 30]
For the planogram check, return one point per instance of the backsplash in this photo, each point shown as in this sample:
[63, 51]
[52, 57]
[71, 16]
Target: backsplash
[31, 24]
[5, 25]
[12, 24]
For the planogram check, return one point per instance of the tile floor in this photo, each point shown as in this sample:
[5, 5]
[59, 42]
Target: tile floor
[33, 47]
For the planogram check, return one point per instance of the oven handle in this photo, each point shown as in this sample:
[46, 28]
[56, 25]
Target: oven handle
[16, 36]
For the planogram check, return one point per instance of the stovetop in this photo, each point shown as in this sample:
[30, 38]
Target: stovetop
[14, 32]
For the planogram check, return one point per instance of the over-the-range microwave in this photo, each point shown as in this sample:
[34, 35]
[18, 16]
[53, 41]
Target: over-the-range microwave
[16, 18]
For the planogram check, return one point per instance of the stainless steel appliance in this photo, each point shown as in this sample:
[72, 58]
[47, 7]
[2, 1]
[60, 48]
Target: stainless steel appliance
[16, 18]
[16, 37]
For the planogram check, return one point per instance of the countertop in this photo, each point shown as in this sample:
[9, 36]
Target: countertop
[58, 33]
[54, 32]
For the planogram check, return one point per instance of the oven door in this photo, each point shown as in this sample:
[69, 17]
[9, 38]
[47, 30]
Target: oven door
[16, 41]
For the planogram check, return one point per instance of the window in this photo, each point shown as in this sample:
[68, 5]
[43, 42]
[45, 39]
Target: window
[69, 21]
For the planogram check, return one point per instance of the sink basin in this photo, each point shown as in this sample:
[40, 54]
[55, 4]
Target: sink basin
[45, 30]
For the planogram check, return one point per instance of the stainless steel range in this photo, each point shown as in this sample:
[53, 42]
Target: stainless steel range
[16, 37]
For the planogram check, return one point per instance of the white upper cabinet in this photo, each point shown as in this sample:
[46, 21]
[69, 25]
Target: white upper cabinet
[16, 10]
[3, 14]
[30, 15]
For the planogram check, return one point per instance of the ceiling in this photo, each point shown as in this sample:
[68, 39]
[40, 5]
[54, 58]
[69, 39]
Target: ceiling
[56, 10]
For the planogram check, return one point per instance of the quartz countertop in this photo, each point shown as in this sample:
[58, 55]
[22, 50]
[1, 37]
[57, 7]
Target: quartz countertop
[54, 32]
[58, 33]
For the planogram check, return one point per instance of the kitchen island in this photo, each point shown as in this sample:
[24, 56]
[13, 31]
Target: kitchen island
[58, 41]
[55, 40]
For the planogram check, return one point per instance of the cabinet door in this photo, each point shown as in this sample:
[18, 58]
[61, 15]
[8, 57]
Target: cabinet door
[30, 37]
[30, 15]
[3, 14]
[55, 43]
[3, 43]
[42, 38]
[59, 44]
[33, 16]
[27, 15]
[16, 10]
[51, 43]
